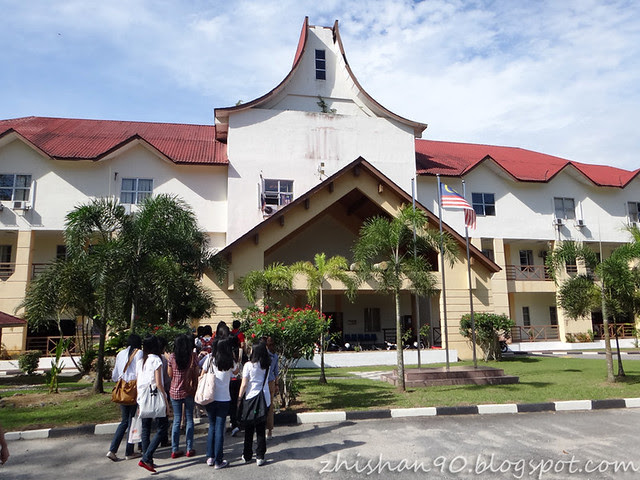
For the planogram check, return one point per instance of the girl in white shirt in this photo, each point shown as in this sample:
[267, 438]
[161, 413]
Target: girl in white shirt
[253, 380]
[220, 361]
[149, 372]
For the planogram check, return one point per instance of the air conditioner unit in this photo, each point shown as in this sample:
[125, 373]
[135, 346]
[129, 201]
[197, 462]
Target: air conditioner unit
[269, 210]
[580, 223]
[558, 222]
[21, 205]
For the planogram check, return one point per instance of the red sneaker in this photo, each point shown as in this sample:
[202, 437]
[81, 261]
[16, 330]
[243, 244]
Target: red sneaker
[177, 454]
[147, 466]
[191, 453]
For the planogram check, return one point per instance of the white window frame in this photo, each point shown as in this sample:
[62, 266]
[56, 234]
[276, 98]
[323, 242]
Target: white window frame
[14, 188]
[482, 206]
[567, 213]
[137, 195]
[277, 192]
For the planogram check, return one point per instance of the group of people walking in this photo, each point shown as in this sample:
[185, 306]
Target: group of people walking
[175, 377]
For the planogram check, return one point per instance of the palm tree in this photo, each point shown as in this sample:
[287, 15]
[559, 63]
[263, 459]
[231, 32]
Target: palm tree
[610, 284]
[275, 278]
[93, 238]
[166, 251]
[384, 251]
[317, 274]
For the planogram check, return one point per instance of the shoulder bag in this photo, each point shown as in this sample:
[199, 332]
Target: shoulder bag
[253, 410]
[152, 403]
[206, 390]
[125, 393]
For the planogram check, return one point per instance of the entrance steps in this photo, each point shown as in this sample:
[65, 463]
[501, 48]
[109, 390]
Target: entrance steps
[456, 375]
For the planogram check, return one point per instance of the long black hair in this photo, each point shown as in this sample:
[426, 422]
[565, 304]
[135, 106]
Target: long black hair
[183, 351]
[260, 354]
[134, 341]
[150, 345]
[223, 354]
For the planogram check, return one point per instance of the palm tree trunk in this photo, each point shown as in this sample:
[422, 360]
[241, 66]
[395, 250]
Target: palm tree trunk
[607, 340]
[323, 377]
[615, 330]
[399, 350]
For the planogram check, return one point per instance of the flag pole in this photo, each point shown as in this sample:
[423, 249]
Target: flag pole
[415, 255]
[444, 292]
[473, 321]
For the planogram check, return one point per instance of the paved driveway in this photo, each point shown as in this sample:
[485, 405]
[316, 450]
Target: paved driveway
[563, 445]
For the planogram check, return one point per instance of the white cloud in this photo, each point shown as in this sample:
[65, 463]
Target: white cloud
[558, 77]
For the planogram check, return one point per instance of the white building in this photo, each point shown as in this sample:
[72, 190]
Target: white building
[294, 173]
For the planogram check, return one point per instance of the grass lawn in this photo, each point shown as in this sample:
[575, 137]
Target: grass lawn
[542, 379]
[26, 405]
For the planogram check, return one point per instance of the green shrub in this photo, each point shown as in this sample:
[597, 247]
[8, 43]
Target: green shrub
[29, 360]
[490, 327]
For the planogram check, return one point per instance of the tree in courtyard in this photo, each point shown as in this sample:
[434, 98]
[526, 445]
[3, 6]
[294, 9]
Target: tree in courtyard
[317, 273]
[489, 328]
[149, 263]
[384, 252]
[294, 331]
[610, 284]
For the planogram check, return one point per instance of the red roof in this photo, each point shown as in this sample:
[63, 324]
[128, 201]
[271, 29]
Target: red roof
[7, 320]
[456, 159]
[79, 139]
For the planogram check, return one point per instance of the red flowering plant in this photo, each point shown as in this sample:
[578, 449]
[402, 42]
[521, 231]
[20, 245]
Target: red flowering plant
[295, 332]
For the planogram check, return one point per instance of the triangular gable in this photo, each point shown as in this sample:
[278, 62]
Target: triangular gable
[264, 231]
[222, 114]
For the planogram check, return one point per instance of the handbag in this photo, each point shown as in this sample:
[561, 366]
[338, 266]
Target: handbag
[135, 430]
[152, 403]
[125, 392]
[254, 410]
[191, 384]
[205, 392]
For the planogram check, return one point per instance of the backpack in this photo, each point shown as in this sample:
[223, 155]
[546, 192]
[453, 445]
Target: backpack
[206, 344]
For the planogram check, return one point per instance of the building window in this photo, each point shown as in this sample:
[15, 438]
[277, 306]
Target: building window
[6, 267]
[321, 65]
[371, 319]
[61, 252]
[565, 208]
[526, 257]
[277, 193]
[484, 203]
[526, 318]
[634, 209]
[553, 315]
[135, 190]
[15, 187]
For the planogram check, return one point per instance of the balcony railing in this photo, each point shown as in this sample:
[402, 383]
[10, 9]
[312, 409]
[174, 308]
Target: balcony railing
[6, 270]
[37, 268]
[625, 330]
[528, 272]
[534, 333]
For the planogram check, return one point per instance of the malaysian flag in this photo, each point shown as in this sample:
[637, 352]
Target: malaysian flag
[452, 199]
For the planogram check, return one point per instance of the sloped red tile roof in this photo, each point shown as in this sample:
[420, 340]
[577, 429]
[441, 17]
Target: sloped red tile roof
[456, 159]
[7, 320]
[80, 139]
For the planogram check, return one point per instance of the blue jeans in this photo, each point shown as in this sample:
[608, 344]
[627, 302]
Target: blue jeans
[149, 446]
[217, 412]
[177, 416]
[127, 412]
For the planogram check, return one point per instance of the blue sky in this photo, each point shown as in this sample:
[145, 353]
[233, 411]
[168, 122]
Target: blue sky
[558, 77]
